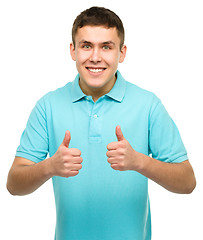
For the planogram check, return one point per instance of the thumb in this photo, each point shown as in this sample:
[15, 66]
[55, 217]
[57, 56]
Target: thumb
[119, 133]
[66, 139]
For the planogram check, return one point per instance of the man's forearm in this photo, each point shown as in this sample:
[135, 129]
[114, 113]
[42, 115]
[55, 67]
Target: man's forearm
[175, 177]
[23, 180]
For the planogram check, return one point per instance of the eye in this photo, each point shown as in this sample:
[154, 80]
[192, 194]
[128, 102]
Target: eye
[106, 47]
[86, 46]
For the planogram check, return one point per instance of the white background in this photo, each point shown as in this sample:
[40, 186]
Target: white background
[165, 56]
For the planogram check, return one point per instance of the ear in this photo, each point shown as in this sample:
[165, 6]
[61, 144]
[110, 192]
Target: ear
[123, 54]
[72, 51]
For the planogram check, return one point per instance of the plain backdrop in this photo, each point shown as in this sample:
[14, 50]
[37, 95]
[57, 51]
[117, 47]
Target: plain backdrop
[165, 56]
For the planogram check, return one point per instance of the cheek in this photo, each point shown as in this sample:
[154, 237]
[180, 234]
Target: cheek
[112, 59]
[81, 57]
[109, 60]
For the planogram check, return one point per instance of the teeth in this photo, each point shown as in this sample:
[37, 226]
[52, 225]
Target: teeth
[95, 70]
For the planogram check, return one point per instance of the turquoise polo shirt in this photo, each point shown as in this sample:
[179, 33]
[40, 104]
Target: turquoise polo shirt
[101, 203]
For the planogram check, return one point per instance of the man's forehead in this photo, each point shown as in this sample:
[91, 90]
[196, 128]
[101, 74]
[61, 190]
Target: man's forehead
[83, 41]
[97, 34]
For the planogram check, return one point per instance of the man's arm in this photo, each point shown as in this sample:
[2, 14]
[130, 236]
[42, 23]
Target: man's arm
[26, 176]
[175, 177]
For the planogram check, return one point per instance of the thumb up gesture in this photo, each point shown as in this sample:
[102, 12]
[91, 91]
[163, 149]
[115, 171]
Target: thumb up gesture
[120, 154]
[66, 162]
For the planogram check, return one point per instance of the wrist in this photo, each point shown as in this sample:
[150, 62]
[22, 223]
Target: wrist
[141, 162]
[48, 168]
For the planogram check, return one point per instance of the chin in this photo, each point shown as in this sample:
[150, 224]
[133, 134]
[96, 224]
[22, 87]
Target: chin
[96, 85]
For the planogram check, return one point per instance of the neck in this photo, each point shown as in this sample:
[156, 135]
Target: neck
[96, 93]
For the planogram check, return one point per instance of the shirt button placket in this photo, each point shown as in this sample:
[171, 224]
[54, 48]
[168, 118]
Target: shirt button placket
[95, 125]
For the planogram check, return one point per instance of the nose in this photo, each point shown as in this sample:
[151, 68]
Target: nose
[95, 55]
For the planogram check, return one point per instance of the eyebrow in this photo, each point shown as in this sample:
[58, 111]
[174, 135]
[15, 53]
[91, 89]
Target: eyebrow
[84, 41]
[103, 43]
[108, 43]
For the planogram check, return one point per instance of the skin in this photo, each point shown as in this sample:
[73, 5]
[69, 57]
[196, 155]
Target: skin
[175, 177]
[98, 48]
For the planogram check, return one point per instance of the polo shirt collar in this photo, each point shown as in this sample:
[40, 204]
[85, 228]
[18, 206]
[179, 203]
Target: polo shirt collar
[117, 92]
[76, 92]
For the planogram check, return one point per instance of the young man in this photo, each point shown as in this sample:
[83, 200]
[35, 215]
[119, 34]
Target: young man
[111, 127]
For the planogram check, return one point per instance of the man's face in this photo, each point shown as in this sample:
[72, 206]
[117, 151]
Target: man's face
[97, 54]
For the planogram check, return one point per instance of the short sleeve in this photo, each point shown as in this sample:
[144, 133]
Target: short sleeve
[34, 140]
[165, 143]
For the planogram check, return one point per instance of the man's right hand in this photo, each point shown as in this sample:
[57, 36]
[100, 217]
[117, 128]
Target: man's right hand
[66, 162]
[25, 176]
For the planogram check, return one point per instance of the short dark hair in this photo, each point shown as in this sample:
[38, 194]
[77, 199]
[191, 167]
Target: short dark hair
[99, 16]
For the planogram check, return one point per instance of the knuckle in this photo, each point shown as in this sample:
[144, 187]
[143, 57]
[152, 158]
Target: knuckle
[63, 154]
[66, 173]
[121, 144]
[71, 151]
[121, 166]
[115, 166]
[73, 173]
[66, 166]
[122, 158]
[121, 151]
[76, 151]
[66, 159]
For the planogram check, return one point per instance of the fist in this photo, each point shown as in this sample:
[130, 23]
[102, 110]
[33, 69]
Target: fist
[66, 162]
[120, 154]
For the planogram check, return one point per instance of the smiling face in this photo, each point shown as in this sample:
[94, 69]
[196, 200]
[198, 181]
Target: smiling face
[97, 54]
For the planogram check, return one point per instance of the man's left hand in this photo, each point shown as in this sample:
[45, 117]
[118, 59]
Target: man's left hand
[120, 154]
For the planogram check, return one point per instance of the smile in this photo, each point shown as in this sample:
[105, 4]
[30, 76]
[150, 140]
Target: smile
[96, 70]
